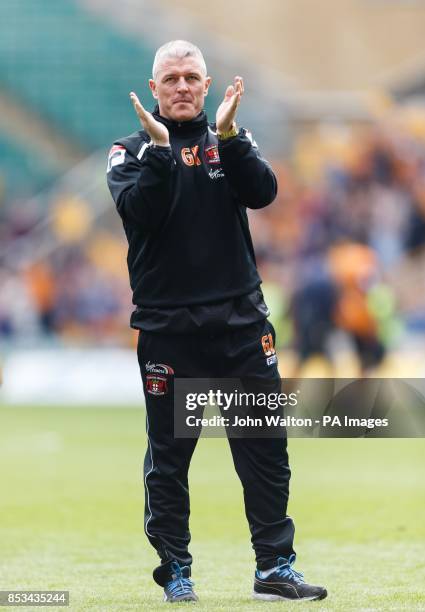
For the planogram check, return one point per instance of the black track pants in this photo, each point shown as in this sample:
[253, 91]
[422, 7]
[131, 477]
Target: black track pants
[261, 464]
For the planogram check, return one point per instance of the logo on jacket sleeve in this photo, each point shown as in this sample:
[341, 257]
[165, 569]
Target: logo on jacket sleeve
[157, 378]
[116, 157]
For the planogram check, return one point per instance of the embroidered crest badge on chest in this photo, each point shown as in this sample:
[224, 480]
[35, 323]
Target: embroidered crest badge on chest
[211, 154]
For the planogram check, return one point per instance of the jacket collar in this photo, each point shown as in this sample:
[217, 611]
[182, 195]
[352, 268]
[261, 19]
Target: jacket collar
[185, 128]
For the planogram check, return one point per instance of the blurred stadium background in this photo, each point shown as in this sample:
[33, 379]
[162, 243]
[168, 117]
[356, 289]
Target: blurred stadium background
[335, 97]
[336, 100]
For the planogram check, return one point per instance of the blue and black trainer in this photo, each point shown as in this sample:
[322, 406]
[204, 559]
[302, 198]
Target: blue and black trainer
[179, 587]
[283, 582]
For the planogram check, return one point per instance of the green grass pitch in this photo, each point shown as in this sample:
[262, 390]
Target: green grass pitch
[72, 516]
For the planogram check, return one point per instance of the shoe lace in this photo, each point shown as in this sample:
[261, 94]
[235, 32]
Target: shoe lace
[285, 570]
[179, 585]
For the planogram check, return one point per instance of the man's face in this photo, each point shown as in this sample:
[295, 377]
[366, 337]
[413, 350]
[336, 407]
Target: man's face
[180, 87]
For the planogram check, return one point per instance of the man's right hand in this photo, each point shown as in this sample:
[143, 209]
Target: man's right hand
[156, 130]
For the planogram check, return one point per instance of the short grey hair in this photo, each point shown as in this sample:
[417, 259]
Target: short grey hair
[178, 49]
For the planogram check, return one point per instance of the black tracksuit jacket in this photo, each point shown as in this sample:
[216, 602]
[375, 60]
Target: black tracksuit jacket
[183, 209]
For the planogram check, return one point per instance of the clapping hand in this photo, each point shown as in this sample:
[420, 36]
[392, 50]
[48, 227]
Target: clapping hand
[156, 130]
[226, 112]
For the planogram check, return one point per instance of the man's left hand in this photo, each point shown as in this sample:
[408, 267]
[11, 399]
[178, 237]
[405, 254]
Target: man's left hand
[226, 112]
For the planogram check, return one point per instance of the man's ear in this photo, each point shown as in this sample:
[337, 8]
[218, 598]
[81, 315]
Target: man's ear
[207, 85]
[152, 86]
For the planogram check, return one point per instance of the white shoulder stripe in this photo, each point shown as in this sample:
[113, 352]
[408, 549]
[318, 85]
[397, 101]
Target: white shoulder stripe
[143, 148]
[251, 139]
[212, 131]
